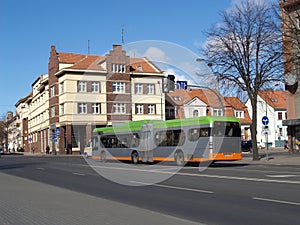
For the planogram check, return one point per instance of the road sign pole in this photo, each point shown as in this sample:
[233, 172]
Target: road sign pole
[267, 146]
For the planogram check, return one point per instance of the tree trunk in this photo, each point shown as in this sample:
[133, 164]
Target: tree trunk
[253, 128]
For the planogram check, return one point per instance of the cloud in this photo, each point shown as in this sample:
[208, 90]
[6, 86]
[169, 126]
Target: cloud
[156, 54]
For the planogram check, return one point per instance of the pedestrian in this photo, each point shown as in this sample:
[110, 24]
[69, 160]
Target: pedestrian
[286, 145]
[47, 149]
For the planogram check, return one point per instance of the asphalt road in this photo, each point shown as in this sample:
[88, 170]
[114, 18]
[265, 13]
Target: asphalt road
[226, 193]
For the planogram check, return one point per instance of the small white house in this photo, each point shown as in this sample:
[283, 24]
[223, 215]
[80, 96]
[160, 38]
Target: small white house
[271, 104]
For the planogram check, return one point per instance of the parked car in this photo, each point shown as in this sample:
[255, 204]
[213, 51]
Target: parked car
[246, 145]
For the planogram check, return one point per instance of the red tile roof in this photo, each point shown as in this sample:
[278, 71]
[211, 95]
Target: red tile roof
[92, 62]
[143, 65]
[276, 99]
[237, 104]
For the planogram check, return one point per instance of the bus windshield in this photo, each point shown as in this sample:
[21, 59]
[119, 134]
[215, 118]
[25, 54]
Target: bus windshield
[226, 129]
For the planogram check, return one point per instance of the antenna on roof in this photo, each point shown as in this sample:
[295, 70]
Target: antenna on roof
[88, 47]
[123, 35]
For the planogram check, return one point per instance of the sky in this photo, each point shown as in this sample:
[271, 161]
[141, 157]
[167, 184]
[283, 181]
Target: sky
[29, 28]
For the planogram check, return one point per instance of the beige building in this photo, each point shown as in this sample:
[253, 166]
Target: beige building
[82, 91]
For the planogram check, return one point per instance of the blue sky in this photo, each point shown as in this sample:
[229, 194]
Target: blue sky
[29, 28]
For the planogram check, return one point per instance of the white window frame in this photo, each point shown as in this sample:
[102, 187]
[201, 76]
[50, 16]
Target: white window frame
[118, 87]
[82, 87]
[150, 89]
[139, 109]
[95, 108]
[95, 86]
[62, 109]
[217, 112]
[196, 113]
[82, 108]
[151, 109]
[52, 111]
[62, 88]
[139, 88]
[119, 108]
[52, 91]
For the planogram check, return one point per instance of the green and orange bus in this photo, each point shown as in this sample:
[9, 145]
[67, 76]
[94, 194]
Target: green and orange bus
[201, 139]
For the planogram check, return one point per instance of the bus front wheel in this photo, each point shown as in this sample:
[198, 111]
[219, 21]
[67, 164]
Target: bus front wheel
[179, 158]
[135, 157]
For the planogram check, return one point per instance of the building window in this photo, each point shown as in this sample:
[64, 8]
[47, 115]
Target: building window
[52, 91]
[217, 112]
[81, 86]
[280, 132]
[196, 113]
[118, 68]
[52, 111]
[139, 89]
[119, 108]
[150, 89]
[96, 108]
[61, 87]
[118, 87]
[279, 115]
[62, 109]
[95, 86]
[170, 112]
[239, 114]
[151, 109]
[139, 109]
[82, 108]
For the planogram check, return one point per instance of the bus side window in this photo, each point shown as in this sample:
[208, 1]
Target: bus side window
[194, 134]
[135, 140]
[204, 132]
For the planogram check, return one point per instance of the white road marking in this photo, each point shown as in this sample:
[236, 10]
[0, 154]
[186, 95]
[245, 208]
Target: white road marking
[140, 169]
[276, 201]
[40, 168]
[174, 187]
[78, 174]
[283, 175]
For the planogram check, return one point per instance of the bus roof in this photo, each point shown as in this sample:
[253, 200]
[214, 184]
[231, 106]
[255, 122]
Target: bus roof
[137, 125]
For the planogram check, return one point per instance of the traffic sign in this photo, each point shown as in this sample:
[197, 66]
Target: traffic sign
[181, 84]
[265, 120]
[57, 131]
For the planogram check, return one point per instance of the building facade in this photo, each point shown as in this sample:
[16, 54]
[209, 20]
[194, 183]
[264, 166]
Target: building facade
[200, 102]
[271, 104]
[82, 91]
[290, 20]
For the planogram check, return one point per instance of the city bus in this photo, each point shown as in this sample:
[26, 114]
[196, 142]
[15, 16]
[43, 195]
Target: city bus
[200, 139]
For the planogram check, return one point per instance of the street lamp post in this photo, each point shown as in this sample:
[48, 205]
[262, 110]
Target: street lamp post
[209, 64]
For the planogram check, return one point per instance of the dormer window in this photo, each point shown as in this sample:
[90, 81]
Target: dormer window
[140, 68]
[274, 100]
[176, 98]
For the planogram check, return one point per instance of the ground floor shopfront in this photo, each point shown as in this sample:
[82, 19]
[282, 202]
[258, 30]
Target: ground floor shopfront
[61, 139]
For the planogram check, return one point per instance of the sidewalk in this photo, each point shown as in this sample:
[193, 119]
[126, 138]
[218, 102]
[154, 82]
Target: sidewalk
[25, 202]
[275, 156]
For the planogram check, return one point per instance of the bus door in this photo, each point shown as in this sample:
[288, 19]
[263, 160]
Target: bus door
[146, 145]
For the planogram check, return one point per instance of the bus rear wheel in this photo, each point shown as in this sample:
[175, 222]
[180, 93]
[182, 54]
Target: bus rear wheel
[179, 158]
[135, 157]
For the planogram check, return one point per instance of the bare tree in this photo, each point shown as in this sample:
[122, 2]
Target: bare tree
[4, 125]
[246, 48]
